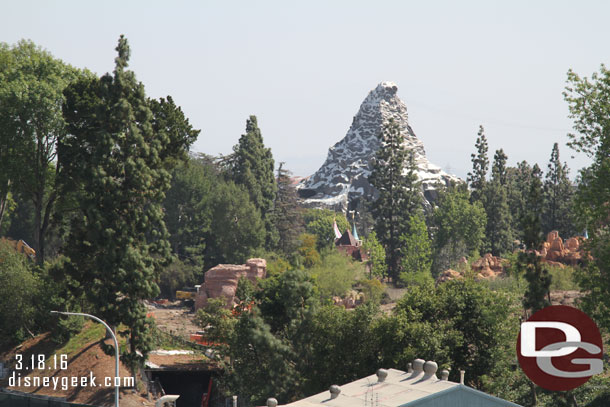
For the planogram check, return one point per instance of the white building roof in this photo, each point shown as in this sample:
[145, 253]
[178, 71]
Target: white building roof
[401, 389]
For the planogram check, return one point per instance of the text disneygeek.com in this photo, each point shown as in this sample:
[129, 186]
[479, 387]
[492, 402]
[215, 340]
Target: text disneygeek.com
[66, 382]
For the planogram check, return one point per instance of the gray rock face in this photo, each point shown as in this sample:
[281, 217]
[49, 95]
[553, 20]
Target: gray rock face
[343, 178]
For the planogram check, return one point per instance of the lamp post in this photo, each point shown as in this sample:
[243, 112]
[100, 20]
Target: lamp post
[116, 350]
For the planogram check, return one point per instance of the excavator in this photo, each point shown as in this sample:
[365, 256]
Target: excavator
[20, 246]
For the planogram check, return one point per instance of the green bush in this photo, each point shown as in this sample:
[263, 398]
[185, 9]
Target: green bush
[372, 289]
[563, 278]
[336, 274]
[19, 289]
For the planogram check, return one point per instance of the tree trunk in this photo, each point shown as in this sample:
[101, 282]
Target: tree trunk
[4, 200]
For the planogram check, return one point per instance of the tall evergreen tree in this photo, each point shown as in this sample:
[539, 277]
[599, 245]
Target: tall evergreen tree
[394, 177]
[518, 181]
[498, 232]
[558, 194]
[480, 164]
[253, 167]
[498, 168]
[116, 163]
[531, 220]
[287, 215]
[537, 295]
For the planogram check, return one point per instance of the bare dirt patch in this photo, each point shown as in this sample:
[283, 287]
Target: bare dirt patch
[174, 318]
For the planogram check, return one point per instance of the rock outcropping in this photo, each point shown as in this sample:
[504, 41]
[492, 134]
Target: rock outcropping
[487, 267]
[221, 281]
[343, 178]
[557, 252]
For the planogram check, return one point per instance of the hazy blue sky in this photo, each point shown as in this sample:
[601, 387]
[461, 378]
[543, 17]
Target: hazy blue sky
[304, 67]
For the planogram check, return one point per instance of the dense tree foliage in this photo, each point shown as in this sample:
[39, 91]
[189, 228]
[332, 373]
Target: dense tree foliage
[558, 193]
[376, 255]
[394, 178]
[319, 222]
[114, 157]
[300, 347]
[210, 219]
[417, 251]
[498, 231]
[287, 214]
[19, 288]
[589, 103]
[253, 167]
[32, 82]
[537, 295]
[480, 165]
[458, 222]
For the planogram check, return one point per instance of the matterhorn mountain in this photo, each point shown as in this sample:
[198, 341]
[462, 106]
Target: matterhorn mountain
[342, 181]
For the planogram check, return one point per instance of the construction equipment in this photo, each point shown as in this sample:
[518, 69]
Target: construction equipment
[188, 294]
[20, 246]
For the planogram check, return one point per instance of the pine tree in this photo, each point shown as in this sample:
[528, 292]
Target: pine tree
[287, 215]
[116, 163]
[399, 194]
[558, 193]
[480, 164]
[518, 181]
[252, 166]
[531, 220]
[498, 169]
[537, 295]
[498, 232]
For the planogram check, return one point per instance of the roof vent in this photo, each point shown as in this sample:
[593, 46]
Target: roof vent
[444, 374]
[410, 368]
[334, 391]
[381, 375]
[430, 369]
[418, 368]
[271, 402]
[462, 374]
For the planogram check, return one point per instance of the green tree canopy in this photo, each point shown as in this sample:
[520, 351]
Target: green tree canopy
[253, 167]
[287, 214]
[498, 231]
[456, 219]
[589, 103]
[116, 163]
[19, 289]
[32, 82]
[558, 196]
[417, 251]
[376, 254]
[319, 222]
[393, 176]
[480, 165]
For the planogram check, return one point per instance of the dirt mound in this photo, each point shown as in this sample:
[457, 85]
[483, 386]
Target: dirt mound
[82, 362]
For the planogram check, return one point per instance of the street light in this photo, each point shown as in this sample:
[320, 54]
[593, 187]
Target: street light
[116, 350]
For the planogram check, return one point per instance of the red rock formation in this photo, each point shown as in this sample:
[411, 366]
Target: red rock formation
[487, 267]
[449, 275]
[221, 281]
[554, 250]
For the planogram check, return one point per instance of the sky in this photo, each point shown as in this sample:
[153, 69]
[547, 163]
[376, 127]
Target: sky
[304, 67]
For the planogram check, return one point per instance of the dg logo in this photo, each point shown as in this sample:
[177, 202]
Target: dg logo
[559, 348]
